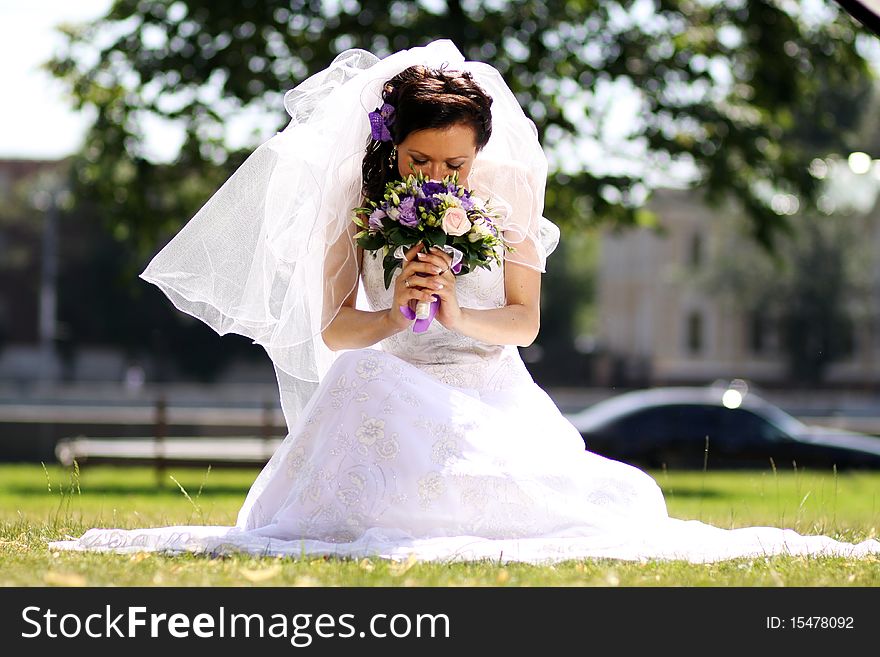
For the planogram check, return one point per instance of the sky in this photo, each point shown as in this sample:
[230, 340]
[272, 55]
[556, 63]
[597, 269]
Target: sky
[35, 119]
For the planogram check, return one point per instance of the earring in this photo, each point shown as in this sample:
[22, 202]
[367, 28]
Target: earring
[392, 156]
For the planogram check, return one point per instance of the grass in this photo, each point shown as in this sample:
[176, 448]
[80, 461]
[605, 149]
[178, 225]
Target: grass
[39, 504]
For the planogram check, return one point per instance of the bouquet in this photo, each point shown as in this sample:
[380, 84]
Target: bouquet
[437, 213]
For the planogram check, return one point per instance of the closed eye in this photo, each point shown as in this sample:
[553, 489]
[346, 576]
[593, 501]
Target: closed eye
[454, 167]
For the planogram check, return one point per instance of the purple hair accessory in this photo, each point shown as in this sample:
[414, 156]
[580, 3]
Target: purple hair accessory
[380, 119]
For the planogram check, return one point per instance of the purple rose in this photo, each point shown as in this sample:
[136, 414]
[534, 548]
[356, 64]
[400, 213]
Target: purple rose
[429, 204]
[408, 216]
[376, 217]
[432, 187]
[466, 202]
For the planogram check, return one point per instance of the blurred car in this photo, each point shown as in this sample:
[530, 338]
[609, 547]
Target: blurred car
[670, 427]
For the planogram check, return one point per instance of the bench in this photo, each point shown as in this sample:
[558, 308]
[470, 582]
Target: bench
[231, 452]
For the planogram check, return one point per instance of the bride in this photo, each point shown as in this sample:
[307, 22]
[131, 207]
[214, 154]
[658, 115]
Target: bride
[436, 445]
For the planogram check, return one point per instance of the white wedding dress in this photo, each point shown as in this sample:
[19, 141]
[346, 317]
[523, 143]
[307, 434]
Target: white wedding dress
[440, 447]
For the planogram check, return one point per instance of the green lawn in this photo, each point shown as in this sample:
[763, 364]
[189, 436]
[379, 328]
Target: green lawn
[38, 505]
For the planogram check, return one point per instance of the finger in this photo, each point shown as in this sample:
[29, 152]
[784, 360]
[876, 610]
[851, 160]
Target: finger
[439, 256]
[417, 283]
[418, 289]
[436, 250]
[445, 257]
[413, 288]
[411, 252]
[432, 282]
[443, 294]
[416, 294]
[408, 295]
[416, 267]
[435, 260]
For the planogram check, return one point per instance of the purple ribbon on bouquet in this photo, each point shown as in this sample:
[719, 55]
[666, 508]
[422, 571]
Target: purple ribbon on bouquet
[421, 325]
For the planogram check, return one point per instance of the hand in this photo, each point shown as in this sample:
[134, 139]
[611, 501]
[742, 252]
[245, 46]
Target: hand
[414, 283]
[442, 284]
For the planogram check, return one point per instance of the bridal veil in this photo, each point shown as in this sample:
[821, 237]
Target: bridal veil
[270, 257]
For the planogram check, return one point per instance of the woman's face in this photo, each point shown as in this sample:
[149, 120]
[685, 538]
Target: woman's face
[438, 152]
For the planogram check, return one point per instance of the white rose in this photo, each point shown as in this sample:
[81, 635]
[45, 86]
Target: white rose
[455, 222]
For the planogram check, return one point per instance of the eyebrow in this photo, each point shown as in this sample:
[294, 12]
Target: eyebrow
[455, 157]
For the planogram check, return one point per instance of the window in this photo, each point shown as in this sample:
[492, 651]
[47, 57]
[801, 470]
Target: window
[645, 430]
[650, 423]
[742, 429]
[694, 324]
[695, 256]
[758, 332]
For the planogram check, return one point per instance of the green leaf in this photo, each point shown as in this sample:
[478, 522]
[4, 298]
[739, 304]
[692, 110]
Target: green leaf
[436, 236]
[372, 241]
[389, 264]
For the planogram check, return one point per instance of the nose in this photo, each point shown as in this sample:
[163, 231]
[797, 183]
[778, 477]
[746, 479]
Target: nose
[435, 171]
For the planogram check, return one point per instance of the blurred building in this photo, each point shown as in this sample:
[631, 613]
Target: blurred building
[60, 288]
[659, 326]
[22, 184]
[657, 323]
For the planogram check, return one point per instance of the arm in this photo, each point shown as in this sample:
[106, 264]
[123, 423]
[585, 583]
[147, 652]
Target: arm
[355, 329]
[516, 323]
[351, 328]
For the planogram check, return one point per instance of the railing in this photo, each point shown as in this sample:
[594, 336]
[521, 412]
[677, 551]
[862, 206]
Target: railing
[162, 450]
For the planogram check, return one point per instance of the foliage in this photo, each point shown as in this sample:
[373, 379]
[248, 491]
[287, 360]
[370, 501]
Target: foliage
[727, 89]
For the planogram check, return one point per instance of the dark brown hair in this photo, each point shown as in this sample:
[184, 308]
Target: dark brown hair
[425, 98]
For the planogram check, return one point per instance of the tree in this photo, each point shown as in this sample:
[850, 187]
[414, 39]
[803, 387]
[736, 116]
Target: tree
[725, 88]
